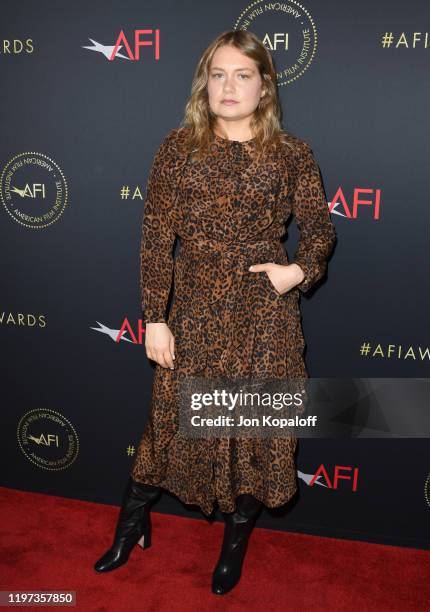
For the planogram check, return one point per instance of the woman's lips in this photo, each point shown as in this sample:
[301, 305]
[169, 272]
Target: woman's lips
[229, 102]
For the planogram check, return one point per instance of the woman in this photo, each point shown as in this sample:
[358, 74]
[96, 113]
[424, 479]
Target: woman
[225, 183]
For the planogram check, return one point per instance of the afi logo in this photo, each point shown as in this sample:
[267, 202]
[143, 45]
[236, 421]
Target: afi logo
[120, 334]
[340, 200]
[350, 475]
[48, 440]
[278, 40]
[132, 48]
[29, 192]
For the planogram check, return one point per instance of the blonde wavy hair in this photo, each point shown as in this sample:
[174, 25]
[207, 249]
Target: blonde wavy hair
[266, 121]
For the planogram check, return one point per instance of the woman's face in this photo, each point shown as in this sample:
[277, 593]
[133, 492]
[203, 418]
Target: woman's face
[234, 84]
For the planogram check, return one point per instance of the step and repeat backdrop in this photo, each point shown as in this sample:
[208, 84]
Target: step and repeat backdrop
[89, 91]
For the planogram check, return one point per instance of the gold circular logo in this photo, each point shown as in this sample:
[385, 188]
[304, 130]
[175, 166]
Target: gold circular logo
[287, 30]
[33, 190]
[48, 439]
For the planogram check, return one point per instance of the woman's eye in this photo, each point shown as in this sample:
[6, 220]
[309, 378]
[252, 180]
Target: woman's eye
[219, 74]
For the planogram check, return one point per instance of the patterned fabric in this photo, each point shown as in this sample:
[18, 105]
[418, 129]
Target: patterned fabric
[229, 211]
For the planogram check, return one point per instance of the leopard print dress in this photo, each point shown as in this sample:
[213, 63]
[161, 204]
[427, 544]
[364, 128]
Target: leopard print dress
[229, 212]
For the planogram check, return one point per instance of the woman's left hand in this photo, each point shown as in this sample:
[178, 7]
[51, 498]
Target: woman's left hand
[283, 278]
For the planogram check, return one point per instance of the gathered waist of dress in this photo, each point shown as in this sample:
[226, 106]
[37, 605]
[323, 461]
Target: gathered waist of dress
[201, 247]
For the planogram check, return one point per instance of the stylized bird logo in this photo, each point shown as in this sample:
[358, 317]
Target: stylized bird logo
[105, 49]
[112, 333]
[308, 477]
[20, 192]
[37, 440]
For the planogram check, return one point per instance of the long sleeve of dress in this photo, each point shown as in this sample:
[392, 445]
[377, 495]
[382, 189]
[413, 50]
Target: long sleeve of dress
[309, 207]
[157, 236]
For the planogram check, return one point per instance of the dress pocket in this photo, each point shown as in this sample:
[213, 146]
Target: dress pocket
[271, 286]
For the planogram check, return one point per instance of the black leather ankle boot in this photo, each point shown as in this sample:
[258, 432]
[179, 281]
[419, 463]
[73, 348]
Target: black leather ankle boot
[133, 526]
[238, 527]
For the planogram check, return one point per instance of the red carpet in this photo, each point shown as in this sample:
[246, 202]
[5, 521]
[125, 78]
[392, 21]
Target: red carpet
[52, 543]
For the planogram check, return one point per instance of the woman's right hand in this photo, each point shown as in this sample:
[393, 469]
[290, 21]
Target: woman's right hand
[160, 344]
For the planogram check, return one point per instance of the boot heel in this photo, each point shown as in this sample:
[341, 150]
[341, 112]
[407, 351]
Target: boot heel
[145, 539]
